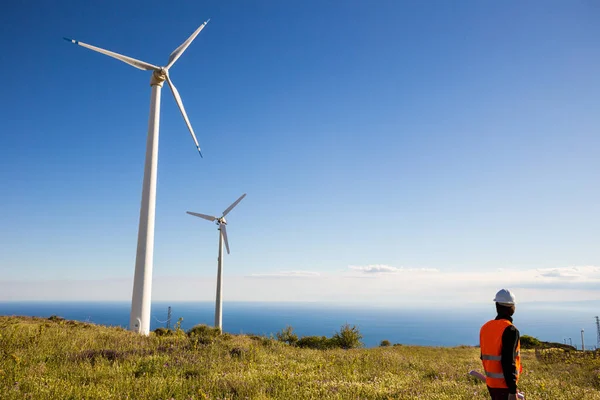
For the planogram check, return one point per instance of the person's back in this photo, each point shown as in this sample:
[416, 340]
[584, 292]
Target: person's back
[500, 349]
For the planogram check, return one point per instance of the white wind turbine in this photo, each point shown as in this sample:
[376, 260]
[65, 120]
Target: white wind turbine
[222, 238]
[139, 319]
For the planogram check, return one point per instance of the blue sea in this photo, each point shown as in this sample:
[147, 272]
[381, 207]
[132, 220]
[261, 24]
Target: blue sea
[433, 326]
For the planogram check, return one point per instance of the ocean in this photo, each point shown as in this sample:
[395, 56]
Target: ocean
[560, 322]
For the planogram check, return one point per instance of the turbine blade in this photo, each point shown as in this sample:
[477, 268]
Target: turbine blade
[128, 60]
[235, 203]
[179, 51]
[183, 113]
[208, 217]
[224, 233]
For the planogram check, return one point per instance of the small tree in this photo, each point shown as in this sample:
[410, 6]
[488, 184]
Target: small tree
[385, 343]
[348, 337]
[287, 335]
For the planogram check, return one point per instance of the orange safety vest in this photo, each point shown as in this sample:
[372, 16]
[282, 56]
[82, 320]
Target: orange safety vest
[490, 339]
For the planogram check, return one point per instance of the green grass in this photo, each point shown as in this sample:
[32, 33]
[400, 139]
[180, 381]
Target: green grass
[43, 359]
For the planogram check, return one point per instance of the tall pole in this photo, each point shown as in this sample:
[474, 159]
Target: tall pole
[582, 342]
[139, 319]
[598, 332]
[218, 302]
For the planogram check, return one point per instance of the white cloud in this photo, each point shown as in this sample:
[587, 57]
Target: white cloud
[571, 273]
[403, 286]
[559, 274]
[373, 269]
[387, 269]
[287, 274]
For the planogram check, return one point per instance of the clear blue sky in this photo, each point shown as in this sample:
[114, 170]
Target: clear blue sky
[455, 136]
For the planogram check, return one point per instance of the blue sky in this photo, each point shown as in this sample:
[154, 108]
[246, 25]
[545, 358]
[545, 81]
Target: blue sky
[397, 138]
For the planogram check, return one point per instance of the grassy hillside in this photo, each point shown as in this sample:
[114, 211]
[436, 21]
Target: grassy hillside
[44, 359]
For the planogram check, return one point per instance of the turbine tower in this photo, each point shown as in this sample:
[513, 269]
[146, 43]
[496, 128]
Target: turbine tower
[139, 320]
[598, 332]
[222, 223]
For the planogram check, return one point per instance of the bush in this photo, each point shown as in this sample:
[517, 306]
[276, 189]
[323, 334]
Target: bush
[226, 336]
[203, 334]
[204, 330]
[315, 342]
[261, 339]
[237, 352]
[529, 342]
[56, 318]
[163, 332]
[287, 335]
[267, 341]
[348, 337]
[385, 343]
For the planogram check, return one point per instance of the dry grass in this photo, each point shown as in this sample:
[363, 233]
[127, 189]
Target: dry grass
[42, 359]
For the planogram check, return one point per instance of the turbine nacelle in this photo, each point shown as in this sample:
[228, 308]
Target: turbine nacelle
[221, 222]
[158, 77]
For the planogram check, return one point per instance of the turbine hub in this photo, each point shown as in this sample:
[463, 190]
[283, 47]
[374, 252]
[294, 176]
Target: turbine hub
[158, 77]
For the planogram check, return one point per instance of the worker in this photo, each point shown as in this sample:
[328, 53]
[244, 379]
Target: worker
[500, 345]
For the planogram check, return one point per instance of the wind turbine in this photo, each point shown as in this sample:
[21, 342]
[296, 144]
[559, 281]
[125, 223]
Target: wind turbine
[222, 223]
[139, 319]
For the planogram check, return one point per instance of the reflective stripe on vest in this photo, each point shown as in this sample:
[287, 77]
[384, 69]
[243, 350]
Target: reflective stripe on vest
[491, 352]
[493, 358]
[494, 375]
[497, 375]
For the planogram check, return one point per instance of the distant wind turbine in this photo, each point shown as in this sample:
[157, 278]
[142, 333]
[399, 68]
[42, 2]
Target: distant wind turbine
[222, 223]
[139, 320]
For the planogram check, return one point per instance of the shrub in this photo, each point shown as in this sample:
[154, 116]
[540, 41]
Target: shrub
[287, 335]
[204, 330]
[267, 341]
[237, 352]
[226, 336]
[348, 337]
[529, 342]
[385, 343]
[178, 329]
[263, 340]
[163, 332]
[315, 342]
[203, 334]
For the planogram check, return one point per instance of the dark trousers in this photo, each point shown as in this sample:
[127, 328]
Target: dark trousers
[498, 393]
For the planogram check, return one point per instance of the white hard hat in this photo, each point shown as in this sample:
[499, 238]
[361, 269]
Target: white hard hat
[505, 297]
